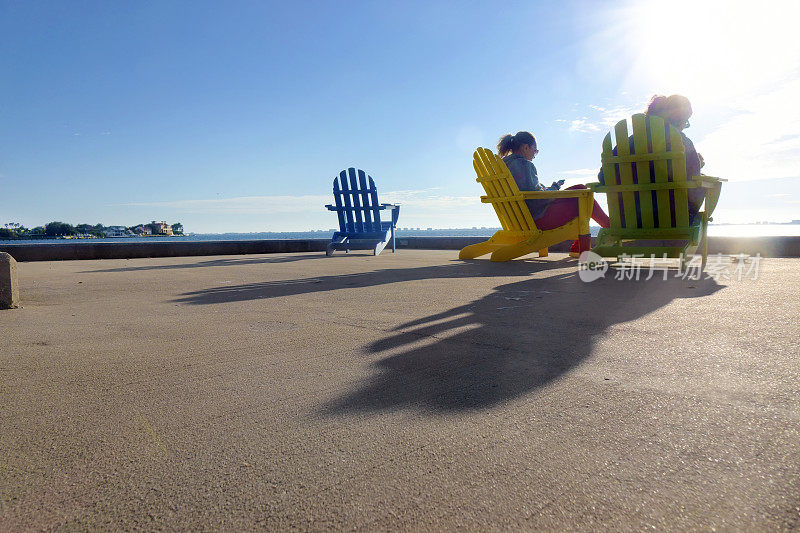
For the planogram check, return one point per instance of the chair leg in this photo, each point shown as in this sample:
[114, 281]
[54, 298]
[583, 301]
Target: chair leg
[476, 250]
[543, 252]
[379, 247]
[333, 245]
[512, 251]
[705, 242]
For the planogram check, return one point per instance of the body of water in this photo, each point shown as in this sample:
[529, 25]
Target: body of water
[194, 238]
[754, 230]
[728, 230]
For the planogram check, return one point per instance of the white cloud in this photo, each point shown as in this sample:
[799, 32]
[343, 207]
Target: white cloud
[579, 175]
[609, 116]
[762, 141]
[583, 125]
[579, 171]
[428, 199]
[424, 199]
[418, 208]
[599, 118]
[244, 204]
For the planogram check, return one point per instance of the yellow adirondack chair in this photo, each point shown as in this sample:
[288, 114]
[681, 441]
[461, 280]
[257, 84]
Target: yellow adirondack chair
[519, 235]
[661, 189]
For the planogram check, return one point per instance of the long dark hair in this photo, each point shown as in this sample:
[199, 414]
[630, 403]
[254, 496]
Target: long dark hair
[509, 143]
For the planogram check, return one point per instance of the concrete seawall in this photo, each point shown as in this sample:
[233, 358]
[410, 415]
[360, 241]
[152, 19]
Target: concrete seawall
[766, 246]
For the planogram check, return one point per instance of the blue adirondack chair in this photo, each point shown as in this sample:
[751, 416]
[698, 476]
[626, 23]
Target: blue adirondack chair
[360, 225]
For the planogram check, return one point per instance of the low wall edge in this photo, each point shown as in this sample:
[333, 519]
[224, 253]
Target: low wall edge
[765, 246]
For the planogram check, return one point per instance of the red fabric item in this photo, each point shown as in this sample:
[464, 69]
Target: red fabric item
[582, 244]
[562, 210]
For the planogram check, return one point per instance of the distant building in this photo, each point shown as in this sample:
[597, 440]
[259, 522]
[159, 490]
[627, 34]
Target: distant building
[160, 228]
[141, 229]
[115, 231]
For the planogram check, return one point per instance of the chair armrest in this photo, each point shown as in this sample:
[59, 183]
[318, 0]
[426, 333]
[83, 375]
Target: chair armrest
[538, 195]
[546, 195]
[708, 182]
[713, 188]
[331, 207]
[639, 187]
[395, 209]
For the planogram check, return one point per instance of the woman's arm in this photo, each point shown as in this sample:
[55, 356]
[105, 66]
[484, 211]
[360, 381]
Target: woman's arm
[693, 161]
[534, 178]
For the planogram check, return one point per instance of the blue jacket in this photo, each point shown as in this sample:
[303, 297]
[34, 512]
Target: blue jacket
[524, 174]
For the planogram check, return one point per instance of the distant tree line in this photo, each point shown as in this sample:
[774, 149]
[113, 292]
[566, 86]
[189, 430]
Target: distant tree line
[14, 230]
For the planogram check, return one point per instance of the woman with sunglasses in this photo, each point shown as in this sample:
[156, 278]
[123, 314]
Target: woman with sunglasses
[518, 152]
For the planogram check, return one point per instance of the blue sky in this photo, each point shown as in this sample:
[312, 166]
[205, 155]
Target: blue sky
[235, 116]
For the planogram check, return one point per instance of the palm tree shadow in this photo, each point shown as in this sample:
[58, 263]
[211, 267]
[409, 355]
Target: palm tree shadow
[504, 345]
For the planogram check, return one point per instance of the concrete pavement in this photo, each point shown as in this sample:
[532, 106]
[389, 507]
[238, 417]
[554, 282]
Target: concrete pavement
[409, 390]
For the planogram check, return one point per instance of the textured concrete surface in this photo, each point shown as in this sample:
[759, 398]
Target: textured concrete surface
[405, 391]
[9, 283]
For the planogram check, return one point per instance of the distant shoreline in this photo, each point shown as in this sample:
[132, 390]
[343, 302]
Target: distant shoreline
[715, 230]
[39, 237]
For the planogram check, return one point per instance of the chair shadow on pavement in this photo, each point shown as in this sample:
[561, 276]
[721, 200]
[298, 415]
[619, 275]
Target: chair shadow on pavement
[506, 344]
[519, 337]
[373, 278]
[303, 256]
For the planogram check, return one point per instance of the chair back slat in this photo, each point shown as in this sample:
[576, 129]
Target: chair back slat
[363, 193]
[493, 187]
[358, 222]
[679, 176]
[663, 213]
[611, 173]
[643, 198]
[376, 213]
[356, 199]
[480, 166]
[346, 201]
[502, 191]
[654, 155]
[626, 176]
[337, 198]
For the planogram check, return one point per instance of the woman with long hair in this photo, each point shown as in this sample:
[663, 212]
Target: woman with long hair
[518, 152]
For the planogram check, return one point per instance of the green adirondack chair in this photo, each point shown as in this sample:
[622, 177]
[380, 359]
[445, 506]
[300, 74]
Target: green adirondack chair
[641, 213]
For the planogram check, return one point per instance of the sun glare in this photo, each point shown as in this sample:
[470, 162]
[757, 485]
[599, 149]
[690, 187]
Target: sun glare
[738, 63]
[708, 49]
